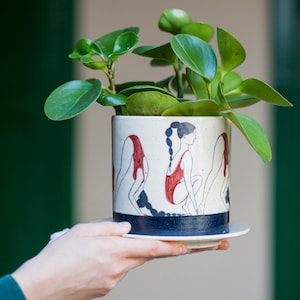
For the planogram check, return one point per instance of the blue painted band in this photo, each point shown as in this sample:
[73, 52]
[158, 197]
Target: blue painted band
[177, 226]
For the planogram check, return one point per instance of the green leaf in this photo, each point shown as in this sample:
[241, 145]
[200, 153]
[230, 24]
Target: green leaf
[221, 99]
[143, 88]
[231, 51]
[72, 98]
[215, 83]
[194, 108]
[232, 80]
[203, 31]
[85, 48]
[149, 103]
[82, 47]
[195, 54]
[163, 52]
[112, 99]
[263, 91]
[173, 19]
[107, 42]
[157, 62]
[197, 84]
[239, 101]
[165, 83]
[125, 85]
[93, 64]
[254, 134]
[124, 42]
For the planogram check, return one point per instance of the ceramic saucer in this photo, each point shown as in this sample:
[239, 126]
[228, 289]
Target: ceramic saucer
[198, 241]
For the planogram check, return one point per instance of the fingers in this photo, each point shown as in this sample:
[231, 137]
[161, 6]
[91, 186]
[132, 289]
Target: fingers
[157, 249]
[137, 252]
[138, 248]
[102, 228]
[152, 248]
[223, 245]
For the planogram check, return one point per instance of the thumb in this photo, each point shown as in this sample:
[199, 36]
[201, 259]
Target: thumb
[105, 228]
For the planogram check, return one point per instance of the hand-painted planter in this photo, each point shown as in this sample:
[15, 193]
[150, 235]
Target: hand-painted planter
[171, 174]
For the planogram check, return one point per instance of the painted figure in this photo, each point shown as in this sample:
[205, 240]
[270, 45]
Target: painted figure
[136, 167]
[181, 186]
[220, 164]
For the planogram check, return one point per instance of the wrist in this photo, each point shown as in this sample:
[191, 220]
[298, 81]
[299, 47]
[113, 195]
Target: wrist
[33, 283]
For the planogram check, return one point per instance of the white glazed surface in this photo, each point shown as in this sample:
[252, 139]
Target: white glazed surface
[205, 148]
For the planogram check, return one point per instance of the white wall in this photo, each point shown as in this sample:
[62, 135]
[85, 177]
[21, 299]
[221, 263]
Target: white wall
[243, 272]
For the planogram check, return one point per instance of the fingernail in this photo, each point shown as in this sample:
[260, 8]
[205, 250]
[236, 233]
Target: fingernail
[125, 225]
[183, 249]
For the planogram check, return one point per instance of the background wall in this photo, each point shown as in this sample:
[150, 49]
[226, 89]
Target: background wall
[243, 272]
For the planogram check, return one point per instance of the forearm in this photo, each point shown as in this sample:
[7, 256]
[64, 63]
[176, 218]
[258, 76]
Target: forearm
[32, 280]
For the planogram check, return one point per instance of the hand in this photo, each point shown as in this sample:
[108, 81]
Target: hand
[223, 245]
[88, 261]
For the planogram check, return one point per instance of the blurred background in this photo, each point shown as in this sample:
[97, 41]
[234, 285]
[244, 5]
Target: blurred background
[56, 174]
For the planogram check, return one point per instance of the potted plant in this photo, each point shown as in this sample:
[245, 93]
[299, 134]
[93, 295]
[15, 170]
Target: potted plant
[171, 138]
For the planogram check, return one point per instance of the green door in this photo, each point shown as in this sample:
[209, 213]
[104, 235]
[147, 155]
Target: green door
[35, 154]
[286, 68]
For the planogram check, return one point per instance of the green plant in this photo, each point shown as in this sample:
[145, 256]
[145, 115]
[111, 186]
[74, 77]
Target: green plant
[215, 89]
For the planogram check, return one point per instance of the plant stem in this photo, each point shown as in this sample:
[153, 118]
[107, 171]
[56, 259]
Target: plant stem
[111, 77]
[209, 90]
[179, 78]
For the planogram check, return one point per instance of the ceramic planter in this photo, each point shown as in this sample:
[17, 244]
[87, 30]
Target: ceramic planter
[171, 174]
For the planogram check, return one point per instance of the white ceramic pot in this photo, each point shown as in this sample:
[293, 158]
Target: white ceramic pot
[171, 174]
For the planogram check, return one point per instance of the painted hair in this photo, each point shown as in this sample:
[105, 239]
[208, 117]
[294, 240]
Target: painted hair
[182, 129]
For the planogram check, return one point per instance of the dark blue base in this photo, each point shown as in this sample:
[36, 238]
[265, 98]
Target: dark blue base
[176, 226]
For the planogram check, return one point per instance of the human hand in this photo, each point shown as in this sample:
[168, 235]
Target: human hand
[88, 261]
[222, 245]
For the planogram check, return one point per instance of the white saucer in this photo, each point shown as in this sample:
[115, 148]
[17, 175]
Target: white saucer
[199, 241]
[196, 241]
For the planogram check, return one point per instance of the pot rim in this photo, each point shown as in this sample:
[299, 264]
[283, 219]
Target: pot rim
[167, 117]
